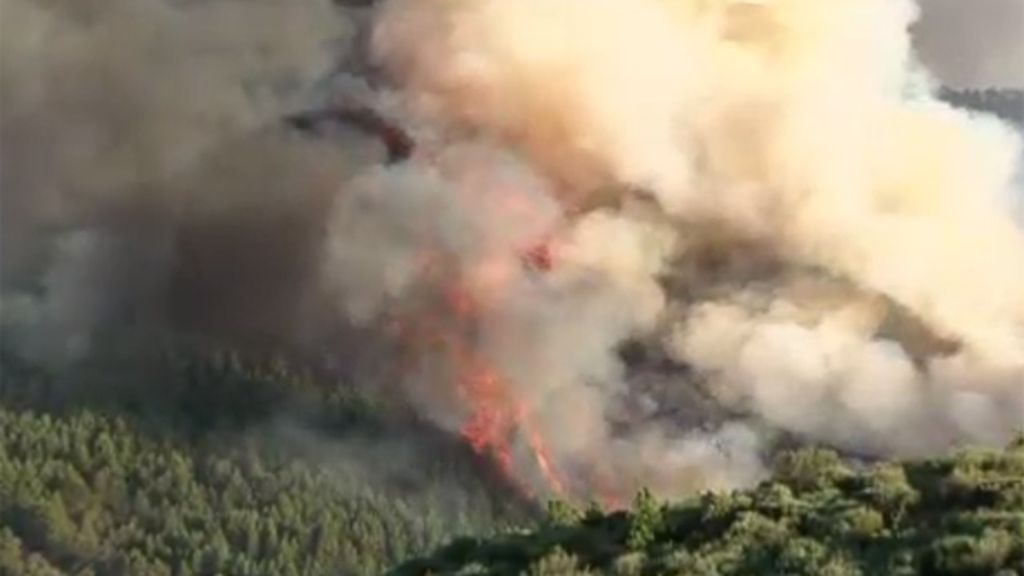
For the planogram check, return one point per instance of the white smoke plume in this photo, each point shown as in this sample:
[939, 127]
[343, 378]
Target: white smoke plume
[766, 188]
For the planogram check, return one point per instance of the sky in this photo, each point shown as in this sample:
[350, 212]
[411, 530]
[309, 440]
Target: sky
[973, 43]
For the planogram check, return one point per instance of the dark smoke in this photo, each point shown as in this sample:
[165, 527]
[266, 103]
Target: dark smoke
[148, 181]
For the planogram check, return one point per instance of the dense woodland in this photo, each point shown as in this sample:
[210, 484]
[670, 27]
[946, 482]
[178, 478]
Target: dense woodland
[227, 468]
[204, 477]
[962, 515]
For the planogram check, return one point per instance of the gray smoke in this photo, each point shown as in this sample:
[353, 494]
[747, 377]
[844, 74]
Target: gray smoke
[146, 176]
[973, 43]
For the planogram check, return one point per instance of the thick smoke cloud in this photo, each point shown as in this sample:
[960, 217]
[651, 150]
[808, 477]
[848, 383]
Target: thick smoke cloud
[974, 43]
[768, 190]
[144, 174]
[637, 242]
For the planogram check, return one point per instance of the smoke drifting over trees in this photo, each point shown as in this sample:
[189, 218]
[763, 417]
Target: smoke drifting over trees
[765, 196]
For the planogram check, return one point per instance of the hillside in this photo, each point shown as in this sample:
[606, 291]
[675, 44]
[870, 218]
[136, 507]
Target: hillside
[962, 515]
[196, 477]
[201, 476]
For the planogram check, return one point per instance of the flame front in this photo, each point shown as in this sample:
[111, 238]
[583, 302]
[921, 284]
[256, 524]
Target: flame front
[497, 418]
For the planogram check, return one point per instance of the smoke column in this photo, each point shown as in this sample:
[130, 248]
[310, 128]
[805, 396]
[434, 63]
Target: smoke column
[946, 33]
[766, 191]
[636, 243]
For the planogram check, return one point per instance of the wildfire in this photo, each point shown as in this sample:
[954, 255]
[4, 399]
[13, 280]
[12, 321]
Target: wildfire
[543, 457]
[496, 420]
[499, 424]
[496, 416]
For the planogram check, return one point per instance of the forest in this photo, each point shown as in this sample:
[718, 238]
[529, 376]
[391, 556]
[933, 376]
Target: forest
[961, 515]
[201, 481]
[196, 478]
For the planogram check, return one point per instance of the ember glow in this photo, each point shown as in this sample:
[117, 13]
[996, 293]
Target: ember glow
[499, 422]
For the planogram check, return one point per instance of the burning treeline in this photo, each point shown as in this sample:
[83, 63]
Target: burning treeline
[763, 194]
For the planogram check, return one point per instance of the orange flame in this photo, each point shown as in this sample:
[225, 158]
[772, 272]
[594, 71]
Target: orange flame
[543, 457]
[498, 422]
[497, 417]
